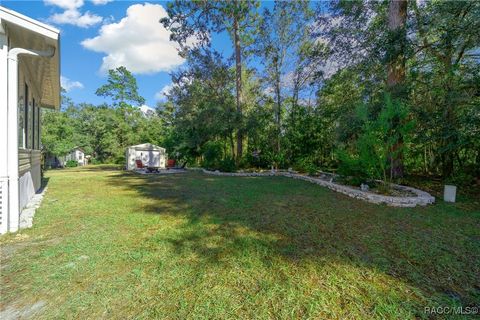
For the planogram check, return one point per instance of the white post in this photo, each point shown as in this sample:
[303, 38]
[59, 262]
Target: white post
[12, 144]
[3, 130]
[3, 103]
[449, 193]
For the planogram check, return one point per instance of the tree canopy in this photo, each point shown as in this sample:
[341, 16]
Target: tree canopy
[374, 89]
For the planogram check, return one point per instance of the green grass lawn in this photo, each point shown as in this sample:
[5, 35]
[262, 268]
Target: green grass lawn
[109, 244]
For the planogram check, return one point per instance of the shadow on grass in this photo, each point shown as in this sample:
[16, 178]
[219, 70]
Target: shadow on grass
[43, 185]
[434, 249]
[91, 168]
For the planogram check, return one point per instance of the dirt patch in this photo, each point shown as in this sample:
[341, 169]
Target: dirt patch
[13, 312]
[9, 249]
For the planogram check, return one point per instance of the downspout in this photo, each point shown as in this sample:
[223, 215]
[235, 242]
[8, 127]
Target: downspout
[12, 133]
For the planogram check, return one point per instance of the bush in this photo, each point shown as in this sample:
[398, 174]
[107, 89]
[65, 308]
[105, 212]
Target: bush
[212, 155]
[261, 160]
[71, 164]
[119, 159]
[461, 179]
[306, 165]
[351, 169]
[227, 165]
[376, 141]
[213, 159]
[95, 161]
[279, 160]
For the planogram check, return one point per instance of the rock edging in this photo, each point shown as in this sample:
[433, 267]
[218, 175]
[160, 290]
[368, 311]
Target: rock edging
[27, 214]
[422, 198]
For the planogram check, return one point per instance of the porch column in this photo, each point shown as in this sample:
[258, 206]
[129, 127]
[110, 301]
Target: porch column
[3, 130]
[12, 143]
[3, 104]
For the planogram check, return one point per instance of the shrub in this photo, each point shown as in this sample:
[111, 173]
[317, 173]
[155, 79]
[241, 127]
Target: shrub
[119, 159]
[212, 155]
[71, 164]
[378, 137]
[306, 165]
[95, 161]
[351, 169]
[263, 159]
[279, 160]
[227, 165]
[461, 179]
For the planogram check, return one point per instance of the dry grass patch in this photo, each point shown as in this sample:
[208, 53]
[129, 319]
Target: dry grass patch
[109, 244]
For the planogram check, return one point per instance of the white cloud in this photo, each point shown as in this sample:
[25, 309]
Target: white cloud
[146, 110]
[72, 15]
[65, 4]
[68, 84]
[138, 42]
[101, 2]
[162, 94]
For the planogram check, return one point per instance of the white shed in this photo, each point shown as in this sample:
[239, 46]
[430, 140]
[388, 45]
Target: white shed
[150, 155]
[77, 154]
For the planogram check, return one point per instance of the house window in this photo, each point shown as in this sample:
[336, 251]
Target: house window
[34, 125]
[25, 118]
[21, 122]
[38, 128]
[29, 136]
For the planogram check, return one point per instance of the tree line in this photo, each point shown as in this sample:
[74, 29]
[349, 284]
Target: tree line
[371, 89]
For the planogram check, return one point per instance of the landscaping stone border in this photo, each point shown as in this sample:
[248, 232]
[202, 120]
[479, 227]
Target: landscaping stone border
[27, 214]
[422, 198]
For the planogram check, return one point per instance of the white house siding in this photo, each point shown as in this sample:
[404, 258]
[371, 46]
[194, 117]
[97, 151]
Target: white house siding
[30, 174]
[29, 155]
[3, 205]
[29, 57]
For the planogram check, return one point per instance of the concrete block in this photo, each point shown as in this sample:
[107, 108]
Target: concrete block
[449, 193]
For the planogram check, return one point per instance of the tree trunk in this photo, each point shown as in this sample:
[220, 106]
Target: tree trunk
[278, 112]
[232, 146]
[397, 18]
[450, 133]
[238, 79]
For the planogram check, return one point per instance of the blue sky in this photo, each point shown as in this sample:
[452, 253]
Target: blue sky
[99, 34]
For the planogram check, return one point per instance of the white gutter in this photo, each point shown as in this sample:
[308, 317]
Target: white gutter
[12, 135]
[29, 23]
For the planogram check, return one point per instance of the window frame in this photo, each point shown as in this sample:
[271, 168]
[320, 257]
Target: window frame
[34, 121]
[25, 117]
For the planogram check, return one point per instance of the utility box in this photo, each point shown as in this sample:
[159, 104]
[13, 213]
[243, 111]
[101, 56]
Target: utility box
[449, 193]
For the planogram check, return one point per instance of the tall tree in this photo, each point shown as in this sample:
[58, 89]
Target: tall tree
[203, 96]
[281, 34]
[192, 23]
[447, 41]
[121, 87]
[397, 19]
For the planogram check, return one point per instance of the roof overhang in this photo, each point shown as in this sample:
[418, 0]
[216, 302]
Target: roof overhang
[27, 33]
[147, 147]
